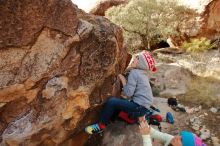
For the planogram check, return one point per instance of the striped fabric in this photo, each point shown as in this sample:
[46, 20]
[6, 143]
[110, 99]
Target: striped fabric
[92, 129]
[150, 61]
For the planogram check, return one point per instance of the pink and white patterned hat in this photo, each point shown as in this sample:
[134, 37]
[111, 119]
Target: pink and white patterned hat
[146, 61]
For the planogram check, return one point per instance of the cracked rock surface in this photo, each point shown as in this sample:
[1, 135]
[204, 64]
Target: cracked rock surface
[54, 59]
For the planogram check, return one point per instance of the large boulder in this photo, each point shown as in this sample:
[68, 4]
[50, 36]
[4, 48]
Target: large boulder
[194, 77]
[104, 5]
[203, 23]
[208, 23]
[171, 80]
[57, 65]
[211, 20]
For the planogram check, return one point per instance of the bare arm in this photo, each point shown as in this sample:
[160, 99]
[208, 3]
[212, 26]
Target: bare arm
[124, 82]
[164, 137]
[122, 78]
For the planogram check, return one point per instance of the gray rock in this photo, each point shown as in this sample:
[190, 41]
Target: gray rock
[196, 127]
[214, 110]
[205, 133]
[121, 134]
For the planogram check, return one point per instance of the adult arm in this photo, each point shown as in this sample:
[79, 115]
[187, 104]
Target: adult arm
[164, 137]
[145, 131]
[146, 140]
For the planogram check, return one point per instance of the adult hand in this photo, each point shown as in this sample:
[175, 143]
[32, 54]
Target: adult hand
[141, 119]
[176, 141]
[144, 128]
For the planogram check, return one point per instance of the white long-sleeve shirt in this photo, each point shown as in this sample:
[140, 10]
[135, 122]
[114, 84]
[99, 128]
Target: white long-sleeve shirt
[163, 137]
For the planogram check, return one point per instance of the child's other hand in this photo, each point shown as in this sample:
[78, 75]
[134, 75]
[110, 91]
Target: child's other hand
[123, 95]
[122, 78]
[176, 141]
[144, 128]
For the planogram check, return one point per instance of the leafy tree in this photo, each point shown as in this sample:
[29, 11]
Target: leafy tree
[142, 20]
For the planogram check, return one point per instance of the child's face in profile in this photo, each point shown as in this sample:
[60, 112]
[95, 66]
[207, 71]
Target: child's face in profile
[134, 62]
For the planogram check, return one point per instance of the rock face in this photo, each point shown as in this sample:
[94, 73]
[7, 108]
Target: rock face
[211, 22]
[103, 6]
[54, 60]
[195, 78]
[122, 134]
[173, 81]
[206, 24]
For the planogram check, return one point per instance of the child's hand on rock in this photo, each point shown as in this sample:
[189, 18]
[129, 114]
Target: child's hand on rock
[122, 78]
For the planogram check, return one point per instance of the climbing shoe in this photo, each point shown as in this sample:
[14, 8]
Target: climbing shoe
[95, 128]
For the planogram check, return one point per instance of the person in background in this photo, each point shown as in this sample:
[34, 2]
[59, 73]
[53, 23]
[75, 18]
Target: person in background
[184, 139]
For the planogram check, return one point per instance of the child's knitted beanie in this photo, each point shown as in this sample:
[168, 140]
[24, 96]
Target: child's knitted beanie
[146, 61]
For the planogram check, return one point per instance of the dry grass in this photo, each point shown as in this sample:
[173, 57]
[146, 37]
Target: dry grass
[204, 91]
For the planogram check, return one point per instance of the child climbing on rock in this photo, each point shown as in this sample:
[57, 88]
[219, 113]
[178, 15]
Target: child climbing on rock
[184, 139]
[136, 91]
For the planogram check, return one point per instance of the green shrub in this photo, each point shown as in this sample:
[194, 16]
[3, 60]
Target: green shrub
[156, 92]
[198, 45]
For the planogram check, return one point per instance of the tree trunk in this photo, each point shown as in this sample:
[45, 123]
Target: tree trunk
[145, 41]
[148, 44]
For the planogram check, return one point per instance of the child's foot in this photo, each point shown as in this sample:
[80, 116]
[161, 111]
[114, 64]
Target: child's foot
[95, 128]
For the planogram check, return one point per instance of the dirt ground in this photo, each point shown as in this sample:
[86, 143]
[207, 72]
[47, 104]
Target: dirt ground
[182, 121]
